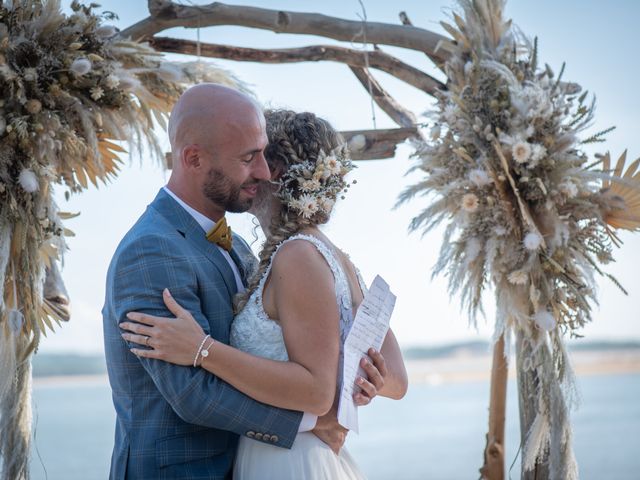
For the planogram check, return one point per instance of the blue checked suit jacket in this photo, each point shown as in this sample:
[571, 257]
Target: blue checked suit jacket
[176, 422]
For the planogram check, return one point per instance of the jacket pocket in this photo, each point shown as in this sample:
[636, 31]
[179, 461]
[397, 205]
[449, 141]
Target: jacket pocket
[188, 447]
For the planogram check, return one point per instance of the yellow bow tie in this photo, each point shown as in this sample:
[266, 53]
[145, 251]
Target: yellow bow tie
[220, 234]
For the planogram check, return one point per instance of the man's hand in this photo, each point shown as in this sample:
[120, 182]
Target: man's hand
[374, 383]
[329, 430]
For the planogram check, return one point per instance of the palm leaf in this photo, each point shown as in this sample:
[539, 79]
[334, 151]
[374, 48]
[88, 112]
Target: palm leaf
[622, 190]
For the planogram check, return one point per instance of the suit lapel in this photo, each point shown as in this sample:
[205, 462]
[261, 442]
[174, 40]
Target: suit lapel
[191, 230]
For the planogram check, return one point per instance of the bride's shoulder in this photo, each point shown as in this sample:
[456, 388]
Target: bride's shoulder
[299, 256]
[296, 250]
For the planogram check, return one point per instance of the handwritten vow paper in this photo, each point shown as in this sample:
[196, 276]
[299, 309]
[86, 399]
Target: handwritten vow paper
[368, 330]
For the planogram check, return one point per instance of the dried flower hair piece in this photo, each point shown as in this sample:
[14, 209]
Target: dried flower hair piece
[313, 186]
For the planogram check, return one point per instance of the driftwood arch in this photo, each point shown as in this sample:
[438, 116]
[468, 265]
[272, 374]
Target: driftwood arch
[379, 143]
[369, 144]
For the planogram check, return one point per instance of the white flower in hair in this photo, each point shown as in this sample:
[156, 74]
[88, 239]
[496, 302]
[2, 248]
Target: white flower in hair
[332, 165]
[326, 204]
[307, 205]
[312, 185]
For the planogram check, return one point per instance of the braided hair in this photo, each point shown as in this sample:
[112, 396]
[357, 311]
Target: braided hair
[294, 139]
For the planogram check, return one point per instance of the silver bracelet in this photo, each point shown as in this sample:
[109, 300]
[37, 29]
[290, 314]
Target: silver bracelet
[206, 351]
[195, 360]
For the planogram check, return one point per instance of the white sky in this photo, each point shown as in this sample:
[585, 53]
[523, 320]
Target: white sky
[600, 48]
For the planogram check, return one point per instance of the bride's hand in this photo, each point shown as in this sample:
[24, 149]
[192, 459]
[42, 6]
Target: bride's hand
[173, 340]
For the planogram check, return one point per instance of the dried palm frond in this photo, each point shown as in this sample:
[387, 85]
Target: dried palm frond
[622, 190]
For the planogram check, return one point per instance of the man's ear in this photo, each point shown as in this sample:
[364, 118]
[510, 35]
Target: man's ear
[190, 156]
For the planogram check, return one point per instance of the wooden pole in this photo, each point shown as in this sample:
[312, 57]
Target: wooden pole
[493, 468]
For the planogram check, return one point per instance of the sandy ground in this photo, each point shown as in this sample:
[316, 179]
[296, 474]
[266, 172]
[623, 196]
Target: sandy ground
[464, 368]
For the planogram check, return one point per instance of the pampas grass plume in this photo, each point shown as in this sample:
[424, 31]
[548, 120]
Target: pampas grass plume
[358, 142]
[81, 66]
[28, 180]
[532, 241]
[106, 31]
[545, 320]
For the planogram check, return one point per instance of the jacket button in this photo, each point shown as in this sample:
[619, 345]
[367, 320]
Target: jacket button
[258, 436]
[274, 438]
[251, 434]
[266, 437]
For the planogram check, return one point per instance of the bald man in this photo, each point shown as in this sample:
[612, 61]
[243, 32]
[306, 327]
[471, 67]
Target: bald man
[176, 422]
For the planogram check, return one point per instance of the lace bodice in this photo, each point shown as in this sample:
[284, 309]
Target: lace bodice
[254, 332]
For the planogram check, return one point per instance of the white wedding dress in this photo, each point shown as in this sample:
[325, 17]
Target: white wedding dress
[254, 332]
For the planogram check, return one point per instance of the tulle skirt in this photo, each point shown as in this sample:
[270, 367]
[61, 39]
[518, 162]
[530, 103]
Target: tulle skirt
[308, 459]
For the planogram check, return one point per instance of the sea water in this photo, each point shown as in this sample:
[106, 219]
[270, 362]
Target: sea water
[436, 432]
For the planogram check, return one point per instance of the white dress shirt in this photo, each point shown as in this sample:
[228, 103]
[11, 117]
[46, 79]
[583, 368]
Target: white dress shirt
[308, 420]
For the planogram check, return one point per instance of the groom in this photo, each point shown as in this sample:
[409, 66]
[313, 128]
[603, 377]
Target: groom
[176, 422]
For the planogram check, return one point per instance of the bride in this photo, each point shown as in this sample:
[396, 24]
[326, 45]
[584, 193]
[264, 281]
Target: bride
[288, 335]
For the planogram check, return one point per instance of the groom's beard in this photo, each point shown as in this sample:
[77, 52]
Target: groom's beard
[223, 192]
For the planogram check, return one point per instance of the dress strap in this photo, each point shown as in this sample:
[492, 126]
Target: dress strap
[322, 247]
[325, 251]
[361, 282]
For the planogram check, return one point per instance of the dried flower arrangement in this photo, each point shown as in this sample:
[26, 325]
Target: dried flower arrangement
[70, 89]
[313, 186]
[525, 209]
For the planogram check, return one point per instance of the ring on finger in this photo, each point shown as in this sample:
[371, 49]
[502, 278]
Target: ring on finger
[146, 341]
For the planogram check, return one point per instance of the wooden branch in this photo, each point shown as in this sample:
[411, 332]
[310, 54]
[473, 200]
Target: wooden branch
[166, 14]
[493, 468]
[376, 144]
[355, 58]
[363, 144]
[404, 18]
[386, 102]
